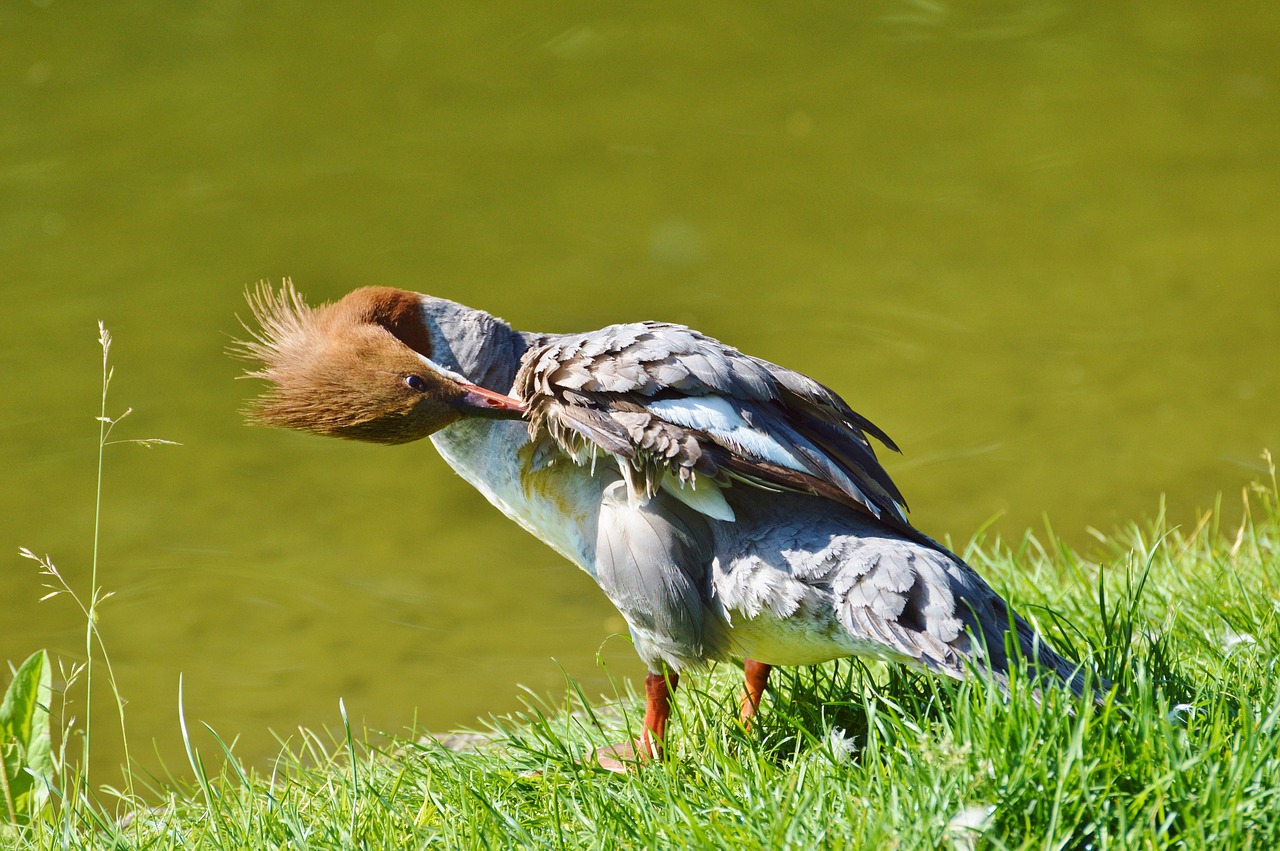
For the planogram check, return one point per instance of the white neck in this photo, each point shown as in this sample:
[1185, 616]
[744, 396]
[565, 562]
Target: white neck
[559, 504]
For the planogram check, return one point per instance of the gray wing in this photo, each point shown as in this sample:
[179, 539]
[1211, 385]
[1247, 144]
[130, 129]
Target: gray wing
[652, 562]
[902, 599]
[665, 399]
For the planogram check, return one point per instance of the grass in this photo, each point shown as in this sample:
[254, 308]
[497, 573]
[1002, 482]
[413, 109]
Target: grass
[28, 755]
[1184, 752]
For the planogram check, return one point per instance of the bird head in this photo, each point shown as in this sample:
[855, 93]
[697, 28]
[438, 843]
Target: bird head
[359, 368]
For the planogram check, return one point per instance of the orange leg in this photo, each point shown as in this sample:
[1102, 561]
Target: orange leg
[757, 676]
[657, 709]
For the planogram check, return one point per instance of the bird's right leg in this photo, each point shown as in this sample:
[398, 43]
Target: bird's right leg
[657, 710]
[757, 677]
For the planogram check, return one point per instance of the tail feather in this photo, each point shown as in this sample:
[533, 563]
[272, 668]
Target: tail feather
[1008, 641]
[995, 639]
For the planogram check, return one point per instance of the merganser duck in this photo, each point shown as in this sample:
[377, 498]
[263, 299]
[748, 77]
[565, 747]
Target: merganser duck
[727, 506]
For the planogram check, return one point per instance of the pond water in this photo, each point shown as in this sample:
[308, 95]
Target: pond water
[1035, 241]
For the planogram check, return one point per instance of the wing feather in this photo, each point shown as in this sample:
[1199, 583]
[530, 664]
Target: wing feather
[668, 401]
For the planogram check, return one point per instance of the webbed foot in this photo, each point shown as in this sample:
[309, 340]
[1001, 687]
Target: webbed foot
[624, 756]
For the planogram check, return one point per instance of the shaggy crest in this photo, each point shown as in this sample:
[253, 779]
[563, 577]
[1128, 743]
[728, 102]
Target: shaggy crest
[286, 330]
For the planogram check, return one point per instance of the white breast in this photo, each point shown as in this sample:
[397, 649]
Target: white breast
[559, 504]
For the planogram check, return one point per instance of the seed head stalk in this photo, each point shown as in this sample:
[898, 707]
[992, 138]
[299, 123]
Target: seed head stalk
[91, 633]
[104, 340]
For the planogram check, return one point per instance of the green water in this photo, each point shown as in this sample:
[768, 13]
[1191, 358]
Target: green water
[1035, 241]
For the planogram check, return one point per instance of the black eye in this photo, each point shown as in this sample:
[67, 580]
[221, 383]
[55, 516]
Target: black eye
[416, 382]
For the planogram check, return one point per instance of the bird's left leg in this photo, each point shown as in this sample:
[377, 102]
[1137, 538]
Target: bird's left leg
[757, 677]
[657, 709]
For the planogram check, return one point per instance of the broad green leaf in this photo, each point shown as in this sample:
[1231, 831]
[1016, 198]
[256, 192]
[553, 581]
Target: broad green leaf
[25, 741]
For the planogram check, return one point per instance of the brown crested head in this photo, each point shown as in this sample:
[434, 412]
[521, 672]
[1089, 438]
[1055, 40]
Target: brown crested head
[359, 368]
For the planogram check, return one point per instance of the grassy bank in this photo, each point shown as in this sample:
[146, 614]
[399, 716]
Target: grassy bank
[1185, 752]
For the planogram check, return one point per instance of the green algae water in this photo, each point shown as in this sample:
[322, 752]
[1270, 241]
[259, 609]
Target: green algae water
[1034, 241]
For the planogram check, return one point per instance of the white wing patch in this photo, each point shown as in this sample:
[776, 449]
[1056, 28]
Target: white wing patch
[720, 419]
[701, 494]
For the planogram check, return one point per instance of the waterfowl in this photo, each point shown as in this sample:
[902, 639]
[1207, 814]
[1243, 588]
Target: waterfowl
[728, 507]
